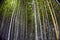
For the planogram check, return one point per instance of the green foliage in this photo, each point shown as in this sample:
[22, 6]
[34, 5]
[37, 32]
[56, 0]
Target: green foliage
[8, 7]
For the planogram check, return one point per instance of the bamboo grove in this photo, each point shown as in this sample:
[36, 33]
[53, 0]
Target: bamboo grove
[29, 20]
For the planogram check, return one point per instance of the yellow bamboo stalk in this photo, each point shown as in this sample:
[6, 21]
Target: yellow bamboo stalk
[55, 20]
[55, 26]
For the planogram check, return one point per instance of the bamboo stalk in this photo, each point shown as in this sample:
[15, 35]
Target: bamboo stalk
[53, 20]
[36, 37]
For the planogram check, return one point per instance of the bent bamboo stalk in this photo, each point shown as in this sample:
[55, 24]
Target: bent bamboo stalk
[55, 25]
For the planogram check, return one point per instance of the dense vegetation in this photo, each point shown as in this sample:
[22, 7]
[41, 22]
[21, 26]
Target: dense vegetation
[27, 16]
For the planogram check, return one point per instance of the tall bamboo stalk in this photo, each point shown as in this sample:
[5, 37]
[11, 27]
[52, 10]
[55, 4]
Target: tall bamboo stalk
[34, 7]
[55, 26]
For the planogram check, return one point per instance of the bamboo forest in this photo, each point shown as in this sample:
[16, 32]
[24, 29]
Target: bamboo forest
[29, 19]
